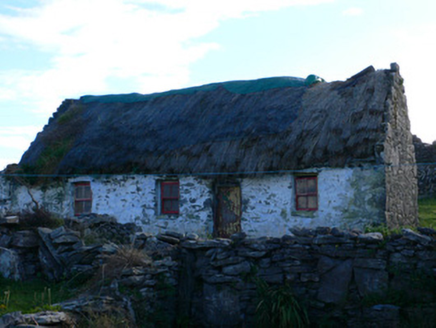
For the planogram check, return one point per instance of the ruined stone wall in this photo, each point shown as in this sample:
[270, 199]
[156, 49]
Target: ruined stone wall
[399, 158]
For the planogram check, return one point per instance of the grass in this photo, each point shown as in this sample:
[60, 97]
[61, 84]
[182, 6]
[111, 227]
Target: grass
[31, 296]
[278, 307]
[427, 212]
[426, 215]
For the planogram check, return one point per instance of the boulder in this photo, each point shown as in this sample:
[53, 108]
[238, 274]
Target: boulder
[335, 279]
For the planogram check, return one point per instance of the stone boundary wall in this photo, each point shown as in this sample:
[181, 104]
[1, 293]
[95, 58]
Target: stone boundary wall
[343, 278]
[426, 153]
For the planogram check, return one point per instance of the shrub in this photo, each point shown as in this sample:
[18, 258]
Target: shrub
[278, 307]
[125, 258]
[39, 217]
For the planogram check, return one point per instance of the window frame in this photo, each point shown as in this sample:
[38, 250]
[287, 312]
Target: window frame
[307, 194]
[164, 198]
[82, 200]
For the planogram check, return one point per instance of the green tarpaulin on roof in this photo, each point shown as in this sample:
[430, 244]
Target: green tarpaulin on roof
[239, 87]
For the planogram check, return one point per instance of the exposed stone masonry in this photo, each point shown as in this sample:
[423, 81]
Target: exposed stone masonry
[348, 278]
[425, 155]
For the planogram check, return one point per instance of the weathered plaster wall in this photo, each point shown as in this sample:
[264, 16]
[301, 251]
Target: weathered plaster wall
[348, 198]
[135, 199]
[5, 195]
[399, 154]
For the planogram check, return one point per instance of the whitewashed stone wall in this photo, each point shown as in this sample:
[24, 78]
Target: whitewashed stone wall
[348, 198]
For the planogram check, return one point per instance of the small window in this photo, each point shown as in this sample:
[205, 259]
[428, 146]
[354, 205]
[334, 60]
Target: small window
[82, 198]
[169, 197]
[306, 193]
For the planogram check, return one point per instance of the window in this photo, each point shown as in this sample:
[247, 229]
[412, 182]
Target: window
[82, 198]
[169, 197]
[306, 193]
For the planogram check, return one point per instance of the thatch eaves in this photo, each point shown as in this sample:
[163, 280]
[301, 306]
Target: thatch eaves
[217, 129]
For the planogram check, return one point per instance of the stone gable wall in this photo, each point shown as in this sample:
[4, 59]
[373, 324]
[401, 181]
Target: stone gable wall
[399, 158]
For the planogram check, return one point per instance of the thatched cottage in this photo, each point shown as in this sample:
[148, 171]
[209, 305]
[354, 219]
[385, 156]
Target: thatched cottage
[259, 156]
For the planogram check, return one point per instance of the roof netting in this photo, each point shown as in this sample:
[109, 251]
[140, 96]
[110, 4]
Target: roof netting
[239, 87]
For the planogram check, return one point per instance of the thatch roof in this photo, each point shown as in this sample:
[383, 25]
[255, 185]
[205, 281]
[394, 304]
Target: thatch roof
[263, 125]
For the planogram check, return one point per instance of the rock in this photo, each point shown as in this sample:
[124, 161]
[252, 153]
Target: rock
[10, 319]
[383, 315]
[288, 239]
[335, 280]
[51, 264]
[168, 239]
[174, 234]
[370, 281]
[227, 261]
[10, 265]
[337, 232]
[323, 230]
[371, 237]
[67, 238]
[238, 237]
[10, 220]
[329, 239]
[50, 318]
[57, 232]
[427, 231]
[5, 241]
[237, 269]
[249, 253]
[192, 236]
[369, 263]
[192, 244]
[303, 232]
[305, 277]
[416, 237]
[221, 306]
[25, 239]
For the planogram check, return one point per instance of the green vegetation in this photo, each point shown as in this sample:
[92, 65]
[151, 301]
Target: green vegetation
[70, 114]
[278, 307]
[39, 217]
[427, 212]
[31, 296]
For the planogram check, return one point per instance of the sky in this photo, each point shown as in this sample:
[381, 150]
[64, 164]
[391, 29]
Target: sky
[51, 50]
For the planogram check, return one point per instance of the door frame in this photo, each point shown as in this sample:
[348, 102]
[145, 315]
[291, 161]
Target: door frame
[216, 186]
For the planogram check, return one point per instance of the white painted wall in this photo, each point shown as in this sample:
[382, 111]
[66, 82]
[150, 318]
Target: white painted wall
[347, 198]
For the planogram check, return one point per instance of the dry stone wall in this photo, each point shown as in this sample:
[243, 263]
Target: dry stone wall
[342, 277]
[426, 159]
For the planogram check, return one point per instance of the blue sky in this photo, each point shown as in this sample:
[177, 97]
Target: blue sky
[56, 49]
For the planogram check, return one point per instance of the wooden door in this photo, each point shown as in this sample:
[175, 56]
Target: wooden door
[228, 211]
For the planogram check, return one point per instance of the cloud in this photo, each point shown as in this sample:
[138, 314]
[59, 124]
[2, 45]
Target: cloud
[353, 11]
[93, 42]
